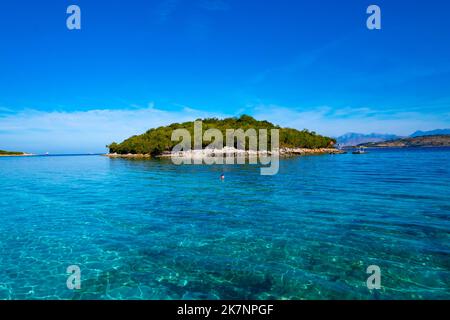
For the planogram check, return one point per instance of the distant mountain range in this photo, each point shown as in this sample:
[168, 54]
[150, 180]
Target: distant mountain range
[420, 141]
[353, 139]
[430, 133]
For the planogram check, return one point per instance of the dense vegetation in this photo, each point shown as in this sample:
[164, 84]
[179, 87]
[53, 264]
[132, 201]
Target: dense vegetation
[155, 141]
[10, 153]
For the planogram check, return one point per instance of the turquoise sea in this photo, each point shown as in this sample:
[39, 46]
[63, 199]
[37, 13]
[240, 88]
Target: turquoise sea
[148, 229]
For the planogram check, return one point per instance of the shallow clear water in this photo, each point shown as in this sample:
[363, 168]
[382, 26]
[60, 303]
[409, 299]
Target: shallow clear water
[153, 230]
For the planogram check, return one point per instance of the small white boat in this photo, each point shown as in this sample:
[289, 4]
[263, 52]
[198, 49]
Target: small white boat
[360, 151]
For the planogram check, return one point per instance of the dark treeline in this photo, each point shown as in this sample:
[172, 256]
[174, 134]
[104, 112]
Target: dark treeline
[10, 153]
[156, 141]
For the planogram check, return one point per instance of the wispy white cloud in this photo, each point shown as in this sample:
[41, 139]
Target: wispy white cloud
[166, 8]
[300, 62]
[84, 131]
[5, 110]
[335, 122]
[214, 5]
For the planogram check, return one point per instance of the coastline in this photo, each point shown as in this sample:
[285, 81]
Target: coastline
[204, 153]
[17, 155]
[397, 147]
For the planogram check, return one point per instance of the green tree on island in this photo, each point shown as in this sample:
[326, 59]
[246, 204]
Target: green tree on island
[10, 153]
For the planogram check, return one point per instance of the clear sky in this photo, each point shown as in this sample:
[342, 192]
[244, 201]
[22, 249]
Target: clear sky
[136, 64]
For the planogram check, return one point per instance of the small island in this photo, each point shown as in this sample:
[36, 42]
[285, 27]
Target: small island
[157, 142]
[412, 142]
[4, 153]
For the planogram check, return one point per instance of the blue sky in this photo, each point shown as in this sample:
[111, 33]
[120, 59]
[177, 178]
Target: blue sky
[137, 64]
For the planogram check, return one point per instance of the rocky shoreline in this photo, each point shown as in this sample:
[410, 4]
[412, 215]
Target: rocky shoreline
[17, 155]
[305, 151]
[285, 152]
